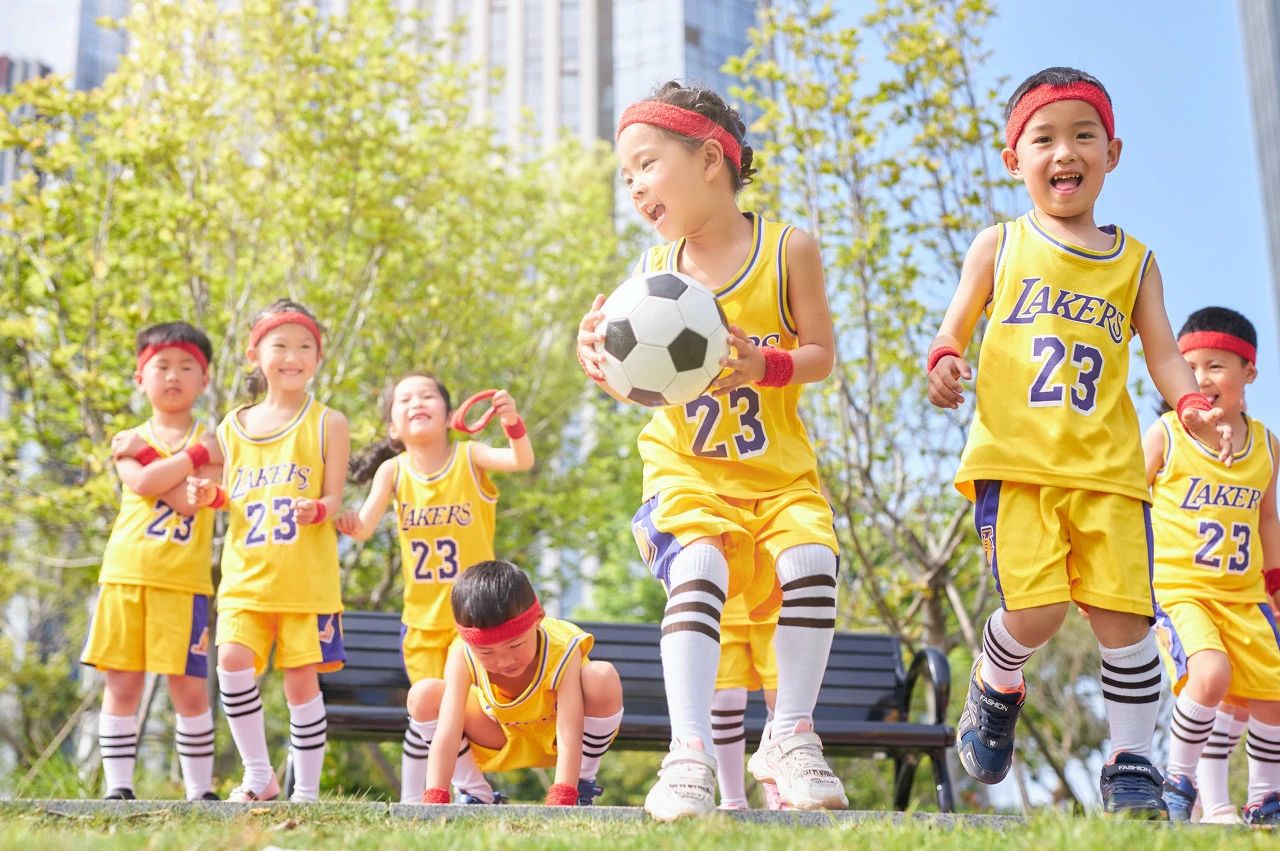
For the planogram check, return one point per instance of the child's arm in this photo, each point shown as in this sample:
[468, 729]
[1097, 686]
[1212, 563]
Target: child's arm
[1270, 534]
[518, 455]
[451, 721]
[977, 281]
[178, 498]
[590, 332]
[163, 474]
[361, 523]
[1170, 373]
[569, 714]
[337, 452]
[1153, 449]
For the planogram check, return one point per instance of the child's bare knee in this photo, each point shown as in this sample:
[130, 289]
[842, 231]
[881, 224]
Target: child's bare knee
[424, 700]
[601, 689]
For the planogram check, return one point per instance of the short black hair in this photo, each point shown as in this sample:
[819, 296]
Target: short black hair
[490, 593]
[1058, 75]
[168, 333]
[1223, 320]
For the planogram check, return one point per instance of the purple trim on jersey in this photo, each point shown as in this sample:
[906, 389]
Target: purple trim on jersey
[781, 272]
[986, 506]
[658, 549]
[1151, 553]
[404, 630]
[1177, 652]
[198, 644]
[329, 629]
[1071, 249]
[1265, 608]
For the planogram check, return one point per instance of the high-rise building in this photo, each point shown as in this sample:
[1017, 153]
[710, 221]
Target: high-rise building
[14, 72]
[100, 48]
[1260, 26]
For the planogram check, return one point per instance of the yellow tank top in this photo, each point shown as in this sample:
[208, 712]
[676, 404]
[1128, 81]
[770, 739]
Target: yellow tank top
[532, 712]
[151, 544]
[1053, 402]
[1206, 517]
[445, 523]
[270, 563]
[749, 443]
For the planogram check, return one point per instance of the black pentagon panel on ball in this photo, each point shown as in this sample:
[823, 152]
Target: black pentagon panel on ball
[688, 350]
[648, 398]
[619, 339]
[666, 286]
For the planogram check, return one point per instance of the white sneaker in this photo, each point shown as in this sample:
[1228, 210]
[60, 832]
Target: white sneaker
[244, 793]
[1222, 816]
[795, 764]
[686, 785]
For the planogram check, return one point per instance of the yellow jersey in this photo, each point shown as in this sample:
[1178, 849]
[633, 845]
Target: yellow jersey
[151, 544]
[445, 523]
[270, 562]
[532, 713]
[1053, 400]
[748, 443]
[1206, 517]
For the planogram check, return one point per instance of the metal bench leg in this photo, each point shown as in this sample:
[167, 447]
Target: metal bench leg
[904, 777]
[942, 780]
[286, 788]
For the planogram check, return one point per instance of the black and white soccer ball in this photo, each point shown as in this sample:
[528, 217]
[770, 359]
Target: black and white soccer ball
[664, 337]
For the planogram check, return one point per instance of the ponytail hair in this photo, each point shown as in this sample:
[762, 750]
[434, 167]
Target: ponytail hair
[364, 464]
[255, 383]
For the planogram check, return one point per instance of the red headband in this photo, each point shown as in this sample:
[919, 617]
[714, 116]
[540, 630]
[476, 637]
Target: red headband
[484, 637]
[1042, 96]
[288, 317]
[190, 348]
[686, 122]
[1217, 340]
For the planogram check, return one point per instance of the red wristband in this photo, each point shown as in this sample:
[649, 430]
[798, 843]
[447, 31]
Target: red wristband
[1271, 576]
[219, 497]
[1197, 401]
[938, 354]
[321, 513]
[146, 455]
[562, 795]
[198, 454]
[435, 796]
[516, 430]
[779, 366]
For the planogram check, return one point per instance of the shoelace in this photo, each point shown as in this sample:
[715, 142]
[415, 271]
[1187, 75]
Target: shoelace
[996, 727]
[1134, 783]
[808, 758]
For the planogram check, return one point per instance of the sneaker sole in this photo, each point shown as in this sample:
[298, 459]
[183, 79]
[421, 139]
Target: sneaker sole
[971, 767]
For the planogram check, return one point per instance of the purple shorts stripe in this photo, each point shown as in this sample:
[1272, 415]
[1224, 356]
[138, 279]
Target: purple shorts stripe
[658, 549]
[1265, 608]
[1176, 651]
[985, 508]
[198, 646]
[330, 628]
[1151, 554]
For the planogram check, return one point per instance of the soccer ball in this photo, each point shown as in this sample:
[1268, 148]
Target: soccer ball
[664, 337]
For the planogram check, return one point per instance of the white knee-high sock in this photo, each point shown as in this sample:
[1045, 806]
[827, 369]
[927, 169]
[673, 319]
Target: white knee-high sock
[598, 733]
[690, 644]
[118, 743]
[1003, 656]
[194, 737]
[242, 704]
[1263, 748]
[1131, 682]
[1211, 771]
[467, 776]
[413, 763]
[308, 735]
[1188, 734]
[728, 726]
[806, 625]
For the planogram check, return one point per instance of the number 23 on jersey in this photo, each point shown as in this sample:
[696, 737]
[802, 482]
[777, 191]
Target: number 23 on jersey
[740, 409]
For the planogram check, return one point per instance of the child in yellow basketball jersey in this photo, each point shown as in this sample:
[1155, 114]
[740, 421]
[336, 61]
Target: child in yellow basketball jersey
[285, 459]
[518, 685]
[732, 501]
[1215, 594]
[1054, 457]
[747, 664]
[445, 512]
[152, 612]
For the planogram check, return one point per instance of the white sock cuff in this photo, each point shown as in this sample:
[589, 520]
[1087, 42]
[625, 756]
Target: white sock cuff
[117, 725]
[233, 682]
[700, 561]
[1193, 710]
[303, 713]
[803, 561]
[194, 723]
[600, 724]
[1134, 655]
[425, 729]
[729, 700]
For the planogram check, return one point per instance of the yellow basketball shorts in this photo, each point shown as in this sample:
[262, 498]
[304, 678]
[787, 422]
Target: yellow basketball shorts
[299, 639]
[746, 657]
[424, 651]
[533, 746]
[1246, 632]
[157, 630]
[753, 533]
[1049, 544]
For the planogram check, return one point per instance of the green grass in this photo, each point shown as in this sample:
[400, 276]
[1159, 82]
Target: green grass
[329, 826]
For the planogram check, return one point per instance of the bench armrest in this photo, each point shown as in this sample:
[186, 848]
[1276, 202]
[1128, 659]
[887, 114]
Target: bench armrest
[931, 663]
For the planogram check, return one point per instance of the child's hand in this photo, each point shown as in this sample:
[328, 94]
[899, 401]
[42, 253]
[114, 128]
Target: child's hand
[505, 407]
[209, 441]
[200, 492]
[1274, 600]
[305, 510]
[127, 444]
[348, 522]
[747, 367]
[1209, 429]
[590, 332]
[945, 390]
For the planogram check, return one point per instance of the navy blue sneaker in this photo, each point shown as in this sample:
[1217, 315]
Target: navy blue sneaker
[984, 735]
[1131, 786]
[1265, 815]
[1180, 796]
[588, 792]
[121, 793]
[468, 798]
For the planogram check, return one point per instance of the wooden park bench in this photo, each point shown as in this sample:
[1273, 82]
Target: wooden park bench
[862, 710]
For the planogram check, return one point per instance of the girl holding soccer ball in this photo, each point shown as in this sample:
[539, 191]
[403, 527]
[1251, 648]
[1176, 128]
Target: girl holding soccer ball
[732, 503]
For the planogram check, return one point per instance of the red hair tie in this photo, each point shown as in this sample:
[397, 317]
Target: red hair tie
[488, 636]
[190, 348]
[458, 421]
[1042, 96]
[1217, 340]
[288, 317]
[686, 122]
